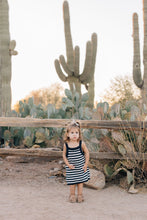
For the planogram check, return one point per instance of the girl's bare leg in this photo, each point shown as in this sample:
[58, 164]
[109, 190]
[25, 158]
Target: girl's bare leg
[72, 197]
[80, 192]
[80, 188]
[72, 189]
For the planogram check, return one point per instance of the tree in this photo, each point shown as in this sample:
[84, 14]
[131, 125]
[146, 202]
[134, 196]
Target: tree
[121, 89]
[44, 96]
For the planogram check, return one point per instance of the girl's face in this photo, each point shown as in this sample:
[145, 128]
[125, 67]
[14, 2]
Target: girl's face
[73, 134]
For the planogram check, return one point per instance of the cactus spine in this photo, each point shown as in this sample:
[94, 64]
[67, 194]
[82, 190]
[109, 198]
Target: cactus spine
[138, 80]
[71, 66]
[6, 50]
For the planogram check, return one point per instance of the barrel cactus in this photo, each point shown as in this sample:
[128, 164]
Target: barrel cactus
[6, 51]
[71, 66]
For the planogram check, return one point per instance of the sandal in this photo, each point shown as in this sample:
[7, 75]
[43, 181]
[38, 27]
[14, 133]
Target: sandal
[80, 198]
[72, 198]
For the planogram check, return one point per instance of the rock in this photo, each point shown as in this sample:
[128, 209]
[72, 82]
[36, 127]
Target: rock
[61, 162]
[97, 180]
[15, 159]
[56, 169]
[1, 160]
[55, 172]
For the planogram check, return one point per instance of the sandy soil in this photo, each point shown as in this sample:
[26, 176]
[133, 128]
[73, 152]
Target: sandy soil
[28, 192]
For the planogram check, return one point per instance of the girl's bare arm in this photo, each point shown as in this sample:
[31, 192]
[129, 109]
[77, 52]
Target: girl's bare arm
[86, 153]
[65, 158]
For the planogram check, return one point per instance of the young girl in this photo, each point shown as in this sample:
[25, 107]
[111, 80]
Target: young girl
[76, 158]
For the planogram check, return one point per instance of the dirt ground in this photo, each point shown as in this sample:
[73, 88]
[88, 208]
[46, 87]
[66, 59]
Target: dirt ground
[28, 192]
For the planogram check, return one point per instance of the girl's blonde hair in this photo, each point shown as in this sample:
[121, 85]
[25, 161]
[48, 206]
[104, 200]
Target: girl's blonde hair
[73, 124]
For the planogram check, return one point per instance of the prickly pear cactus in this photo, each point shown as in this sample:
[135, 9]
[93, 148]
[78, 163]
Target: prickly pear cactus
[101, 111]
[6, 50]
[28, 141]
[115, 110]
[75, 106]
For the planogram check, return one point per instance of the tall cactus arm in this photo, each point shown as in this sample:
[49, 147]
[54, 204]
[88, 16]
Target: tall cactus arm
[145, 31]
[65, 66]
[136, 58]
[5, 60]
[12, 46]
[144, 90]
[94, 51]
[68, 38]
[91, 85]
[86, 75]
[59, 71]
[76, 61]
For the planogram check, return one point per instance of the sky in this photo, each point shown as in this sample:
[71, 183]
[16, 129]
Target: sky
[38, 28]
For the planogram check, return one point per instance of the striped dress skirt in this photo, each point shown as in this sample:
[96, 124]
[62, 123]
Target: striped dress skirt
[76, 157]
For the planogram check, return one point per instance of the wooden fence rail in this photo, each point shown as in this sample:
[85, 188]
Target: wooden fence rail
[58, 154]
[58, 123]
[104, 124]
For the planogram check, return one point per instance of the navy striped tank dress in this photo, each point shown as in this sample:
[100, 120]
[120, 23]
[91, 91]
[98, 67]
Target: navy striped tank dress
[76, 157]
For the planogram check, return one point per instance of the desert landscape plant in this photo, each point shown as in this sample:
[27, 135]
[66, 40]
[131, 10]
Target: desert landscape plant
[131, 145]
[6, 51]
[71, 66]
[140, 82]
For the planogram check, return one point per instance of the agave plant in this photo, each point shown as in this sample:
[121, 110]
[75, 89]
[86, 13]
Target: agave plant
[128, 144]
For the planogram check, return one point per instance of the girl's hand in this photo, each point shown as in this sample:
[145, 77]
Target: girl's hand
[85, 168]
[71, 166]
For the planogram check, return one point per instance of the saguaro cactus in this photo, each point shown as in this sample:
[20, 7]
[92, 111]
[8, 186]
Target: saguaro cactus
[141, 82]
[6, 50]
[71, 66]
